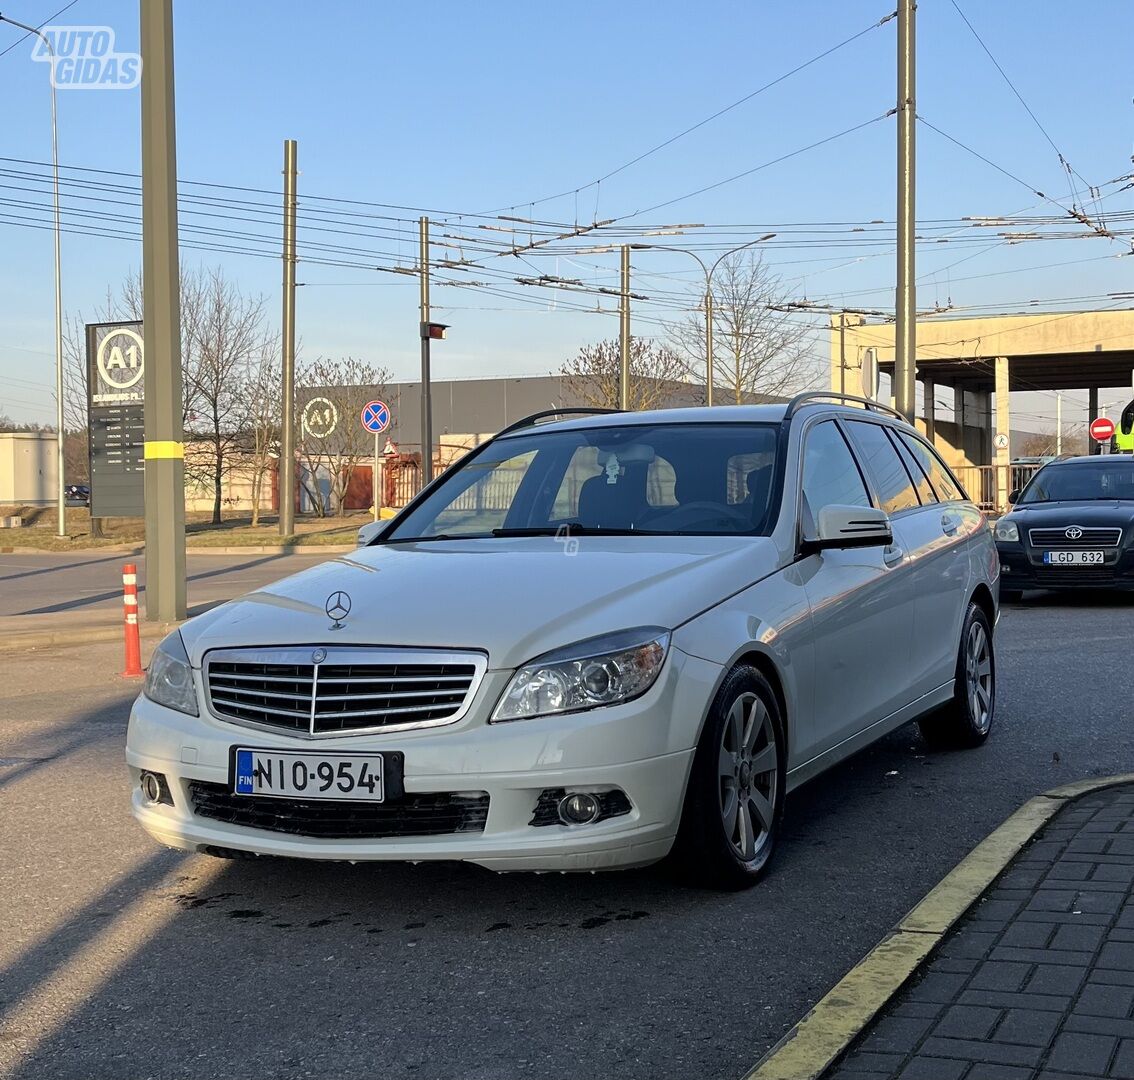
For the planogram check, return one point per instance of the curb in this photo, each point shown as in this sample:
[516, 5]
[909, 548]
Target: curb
[42, 639]
[825, 1033]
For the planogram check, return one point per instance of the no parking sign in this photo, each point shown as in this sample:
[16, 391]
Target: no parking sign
[375, 416]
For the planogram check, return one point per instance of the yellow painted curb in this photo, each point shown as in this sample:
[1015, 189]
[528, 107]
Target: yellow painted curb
[825, 1033]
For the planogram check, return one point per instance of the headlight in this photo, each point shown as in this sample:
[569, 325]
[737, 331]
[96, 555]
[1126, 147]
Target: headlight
[1007, 531]
[605, 670]
[169, 678]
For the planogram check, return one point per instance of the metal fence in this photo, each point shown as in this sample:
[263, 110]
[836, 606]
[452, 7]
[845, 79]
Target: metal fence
[983, 482]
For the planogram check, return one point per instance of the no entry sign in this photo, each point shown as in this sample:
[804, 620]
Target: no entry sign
[1102, 429]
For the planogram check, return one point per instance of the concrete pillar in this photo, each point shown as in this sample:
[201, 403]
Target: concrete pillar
[1001, 438]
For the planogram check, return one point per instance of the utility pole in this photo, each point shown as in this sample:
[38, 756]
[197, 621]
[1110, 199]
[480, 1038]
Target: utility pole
[164, 448]
[1058, 425]
[426, 390]
[708, 343]
[624, 331]
[905, 332]
[843, 354]
[60, 437]
[287, 341]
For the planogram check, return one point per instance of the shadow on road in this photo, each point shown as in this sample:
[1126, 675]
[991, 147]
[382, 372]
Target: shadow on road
[78, 564]
[99, 598]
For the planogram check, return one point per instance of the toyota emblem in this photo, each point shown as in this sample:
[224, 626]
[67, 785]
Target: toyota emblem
[1073, 533]
[337, 608]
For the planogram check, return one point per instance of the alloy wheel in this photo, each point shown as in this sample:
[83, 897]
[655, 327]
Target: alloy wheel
[749, 775]
[978, 676]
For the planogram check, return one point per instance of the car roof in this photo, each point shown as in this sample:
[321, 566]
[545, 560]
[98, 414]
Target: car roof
[694, 414]
[1091, 459]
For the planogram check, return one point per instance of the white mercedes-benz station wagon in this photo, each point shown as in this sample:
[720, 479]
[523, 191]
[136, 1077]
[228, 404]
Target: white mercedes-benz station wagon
[593, 643]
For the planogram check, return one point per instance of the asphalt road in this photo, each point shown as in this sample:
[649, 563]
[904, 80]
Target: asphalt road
[91, 582]
[120, 959]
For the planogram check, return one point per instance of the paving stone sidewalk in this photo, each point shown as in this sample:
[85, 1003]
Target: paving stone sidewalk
[1036, 982]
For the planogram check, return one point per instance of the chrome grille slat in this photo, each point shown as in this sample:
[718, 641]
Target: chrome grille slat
[228, 690]
[393, 678]
[397, 695]
[262, 678]
[354, 689]
[249, 706]
[355, 713]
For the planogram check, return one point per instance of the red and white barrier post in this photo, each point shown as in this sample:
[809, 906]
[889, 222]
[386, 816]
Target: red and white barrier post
[130, 611]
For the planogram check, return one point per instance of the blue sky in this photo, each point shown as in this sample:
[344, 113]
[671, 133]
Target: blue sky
[466, 108]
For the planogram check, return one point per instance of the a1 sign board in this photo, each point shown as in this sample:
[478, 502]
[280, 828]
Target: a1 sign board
[375, 416]
[1102, 429]
[116, 418]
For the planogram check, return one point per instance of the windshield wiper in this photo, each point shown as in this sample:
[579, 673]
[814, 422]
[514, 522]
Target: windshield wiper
[569, 528]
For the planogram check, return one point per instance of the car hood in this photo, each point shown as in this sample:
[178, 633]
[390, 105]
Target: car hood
[512, 598]
[1088, 513]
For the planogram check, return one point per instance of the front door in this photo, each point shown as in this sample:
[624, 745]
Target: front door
[862, 604]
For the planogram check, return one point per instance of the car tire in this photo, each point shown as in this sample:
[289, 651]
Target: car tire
[1011, 596]
[734, 801]
[966, 721]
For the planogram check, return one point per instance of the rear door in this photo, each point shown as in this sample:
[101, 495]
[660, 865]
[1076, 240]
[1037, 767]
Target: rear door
[862, 603]
[942, 538]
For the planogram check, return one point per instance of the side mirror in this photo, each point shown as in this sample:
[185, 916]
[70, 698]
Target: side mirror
[852, 527]
[372, 530]
[1013, 495]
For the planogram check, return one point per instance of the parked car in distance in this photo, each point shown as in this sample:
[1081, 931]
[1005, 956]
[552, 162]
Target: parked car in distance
[1071, 527]
[77, 495]
[593, 643]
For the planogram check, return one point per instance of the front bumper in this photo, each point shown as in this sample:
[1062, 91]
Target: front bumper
[643, 749]
[1022, 567]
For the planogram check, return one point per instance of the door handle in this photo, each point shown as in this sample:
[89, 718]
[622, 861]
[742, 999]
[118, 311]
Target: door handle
[949, 524]
[893, 555]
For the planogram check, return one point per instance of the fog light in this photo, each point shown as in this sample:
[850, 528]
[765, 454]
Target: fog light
[578, 809]
[154, 789]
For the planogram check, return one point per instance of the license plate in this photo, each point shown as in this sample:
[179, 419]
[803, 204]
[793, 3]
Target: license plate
[1073, 558]
[357, 777]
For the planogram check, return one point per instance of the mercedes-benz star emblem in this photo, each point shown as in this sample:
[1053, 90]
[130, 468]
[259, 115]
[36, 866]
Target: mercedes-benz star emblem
[318, 656]
[1073, 533]
[338, 608]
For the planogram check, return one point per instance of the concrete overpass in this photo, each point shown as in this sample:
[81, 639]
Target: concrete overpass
[981, 361]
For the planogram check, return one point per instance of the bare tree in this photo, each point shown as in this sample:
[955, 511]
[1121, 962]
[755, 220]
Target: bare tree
[1044, 443]
[225, 337]
[594, 374]
[263, 392]
[332, 442]
[758, 348]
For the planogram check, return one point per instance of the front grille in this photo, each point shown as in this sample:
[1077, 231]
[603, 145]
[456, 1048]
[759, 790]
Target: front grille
[1073, 575]
[1091, 538]
[349, 691]
[434, 814]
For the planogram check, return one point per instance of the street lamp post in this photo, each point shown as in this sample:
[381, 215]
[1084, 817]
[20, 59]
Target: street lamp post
[708, 271]
[61, 501]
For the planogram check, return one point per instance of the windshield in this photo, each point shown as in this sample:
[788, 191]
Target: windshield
[666, 479]
[1087, 481]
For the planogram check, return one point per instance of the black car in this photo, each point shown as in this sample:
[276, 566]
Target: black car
[77, 495]
[1072, 527]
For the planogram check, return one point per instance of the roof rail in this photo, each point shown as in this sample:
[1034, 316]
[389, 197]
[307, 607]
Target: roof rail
[535, 418]
[816, 396]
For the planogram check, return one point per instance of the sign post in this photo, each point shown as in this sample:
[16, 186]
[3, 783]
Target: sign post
[375, 418]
